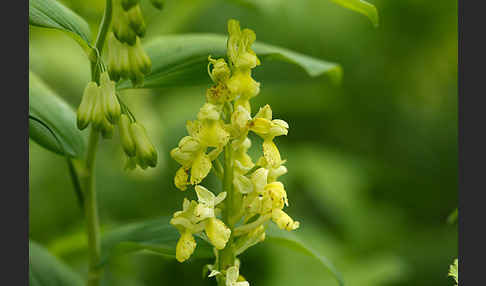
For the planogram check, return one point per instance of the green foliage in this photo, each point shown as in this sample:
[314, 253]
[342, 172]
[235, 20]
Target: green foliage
[291, 240]
[47, 270]
[181, 60]
[57, 132]
[156, 236]
[52, 14]
[361, 7]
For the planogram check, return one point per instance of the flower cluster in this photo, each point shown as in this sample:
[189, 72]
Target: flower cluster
[126, 57]
[101, 107]
[252, 194]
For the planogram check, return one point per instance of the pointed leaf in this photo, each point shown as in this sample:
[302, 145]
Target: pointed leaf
[361, 6]
[181, 60]
[52, 122]
[291, 240]
[47, 270]
[156, 236]
[54, 15]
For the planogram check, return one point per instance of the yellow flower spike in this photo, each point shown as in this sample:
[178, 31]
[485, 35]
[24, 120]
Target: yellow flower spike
[283, 220]
[85, 109]
[200, 168]
[220, 71]
[271, 153]
[181, 178]
[217, 232]
[185, 246]
[277, 194]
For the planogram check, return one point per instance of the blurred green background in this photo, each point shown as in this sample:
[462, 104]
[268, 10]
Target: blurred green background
[372, 162]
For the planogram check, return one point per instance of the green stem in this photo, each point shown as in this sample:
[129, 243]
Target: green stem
[91, 211]
[76, 184]
[227, 255]
[100, 38]
[90, 201]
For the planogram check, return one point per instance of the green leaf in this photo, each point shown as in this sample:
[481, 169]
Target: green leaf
[360, 6]
[47, 270]
[52, 122]
[54, 15]
[155, 236]
[291, 240]
[181, 60]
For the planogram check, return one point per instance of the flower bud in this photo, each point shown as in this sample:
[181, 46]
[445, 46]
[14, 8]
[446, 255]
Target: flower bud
[145, 151]
[243, 84]
[85, 109]
[127, 141]
[139, 60]
[220, 71]
[111, 106]
[283, 220]
[218, 233]
[107, 129]
[200, 168]
[121, 26]
[131, 163]
[127, 4]
[180, 179]
[98, 114]
[135, 20]
[185, 246]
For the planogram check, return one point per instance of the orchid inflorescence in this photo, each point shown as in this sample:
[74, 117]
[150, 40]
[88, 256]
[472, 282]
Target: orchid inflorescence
[233, 220]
